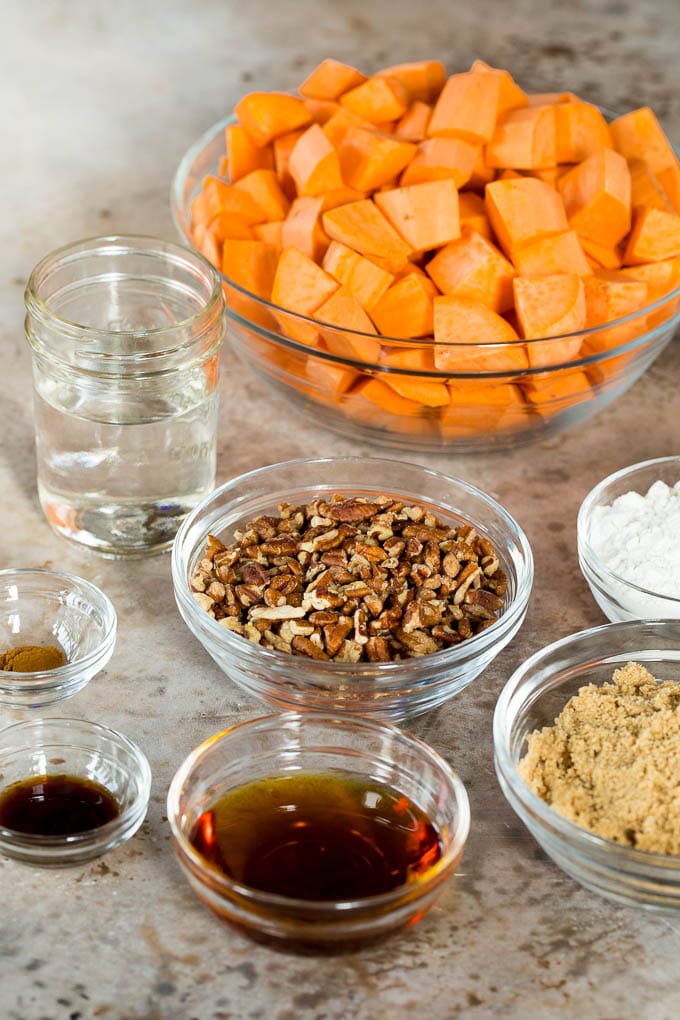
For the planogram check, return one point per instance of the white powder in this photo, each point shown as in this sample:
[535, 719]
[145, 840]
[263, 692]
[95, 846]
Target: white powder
[638, 537]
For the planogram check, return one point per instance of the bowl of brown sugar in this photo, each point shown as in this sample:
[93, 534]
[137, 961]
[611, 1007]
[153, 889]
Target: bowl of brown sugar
[56, 632]
[587, 750]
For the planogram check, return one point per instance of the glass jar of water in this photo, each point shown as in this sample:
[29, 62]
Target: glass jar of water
[125, 335]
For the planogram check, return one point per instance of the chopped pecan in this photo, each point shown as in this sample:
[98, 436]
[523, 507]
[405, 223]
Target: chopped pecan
[352, 579]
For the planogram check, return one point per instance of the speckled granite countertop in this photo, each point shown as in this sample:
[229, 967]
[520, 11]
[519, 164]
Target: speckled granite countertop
[99, 103]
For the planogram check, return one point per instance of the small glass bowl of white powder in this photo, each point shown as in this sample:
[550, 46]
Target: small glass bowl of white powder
[628, 535]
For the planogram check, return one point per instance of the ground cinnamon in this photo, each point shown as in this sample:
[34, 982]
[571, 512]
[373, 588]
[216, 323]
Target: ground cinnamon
[32, 659]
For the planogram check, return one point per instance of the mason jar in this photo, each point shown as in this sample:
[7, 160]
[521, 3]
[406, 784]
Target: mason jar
[125, 334]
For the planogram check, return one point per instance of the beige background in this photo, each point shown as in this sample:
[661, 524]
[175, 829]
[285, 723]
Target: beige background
[99, 101]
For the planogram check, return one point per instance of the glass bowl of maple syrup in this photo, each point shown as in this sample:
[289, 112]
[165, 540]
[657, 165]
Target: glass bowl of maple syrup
[313, 831]
[70, 790]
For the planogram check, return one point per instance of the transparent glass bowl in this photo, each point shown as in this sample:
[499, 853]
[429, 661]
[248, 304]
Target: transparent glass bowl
[323, 370]
[532, 698]
[276, 745]
[384, 690]
[619, 597]
[87, 750]
[47, 607]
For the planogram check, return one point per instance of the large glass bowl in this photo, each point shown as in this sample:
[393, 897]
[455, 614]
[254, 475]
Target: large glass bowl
[461, 410]
[282, 745]
[533, 697]
[385, 690]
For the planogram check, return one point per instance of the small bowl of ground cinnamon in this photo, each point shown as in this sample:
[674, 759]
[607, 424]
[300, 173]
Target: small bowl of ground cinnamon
[56, 632]
[587, 748]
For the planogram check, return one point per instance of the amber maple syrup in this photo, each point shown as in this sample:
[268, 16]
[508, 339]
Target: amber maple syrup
[56, 805]
[317, 837]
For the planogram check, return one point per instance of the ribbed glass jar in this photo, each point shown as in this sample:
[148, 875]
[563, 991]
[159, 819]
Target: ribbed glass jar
[125, 334]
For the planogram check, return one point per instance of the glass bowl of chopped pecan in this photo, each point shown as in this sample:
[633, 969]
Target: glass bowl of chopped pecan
[586, 738]
[352, 584]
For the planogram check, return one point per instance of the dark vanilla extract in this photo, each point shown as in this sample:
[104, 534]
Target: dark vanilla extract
[56, 805]
[317, 837]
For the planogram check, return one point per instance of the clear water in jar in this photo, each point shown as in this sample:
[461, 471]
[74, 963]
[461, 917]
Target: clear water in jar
[119, 472]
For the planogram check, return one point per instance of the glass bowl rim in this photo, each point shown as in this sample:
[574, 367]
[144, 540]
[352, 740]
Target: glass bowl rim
[177, 206]
[70, 670]
[591, 560]
[138, 766]
[568, 831]
[364, 671]
[290, 904]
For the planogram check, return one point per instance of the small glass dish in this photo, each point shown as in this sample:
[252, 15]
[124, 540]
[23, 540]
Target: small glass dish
[619, 597]
[278, 745]
[86, 750]
[533, 697]
[383, 690]
[47, 607]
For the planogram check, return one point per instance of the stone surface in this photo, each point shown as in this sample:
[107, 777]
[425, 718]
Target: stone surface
[100, 101]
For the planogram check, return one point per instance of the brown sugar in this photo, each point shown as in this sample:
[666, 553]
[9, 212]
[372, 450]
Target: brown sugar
[611, 760]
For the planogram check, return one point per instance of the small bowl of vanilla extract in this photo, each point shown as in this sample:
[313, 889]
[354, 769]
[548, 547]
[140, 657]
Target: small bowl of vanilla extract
[70, 790]
[313, 831]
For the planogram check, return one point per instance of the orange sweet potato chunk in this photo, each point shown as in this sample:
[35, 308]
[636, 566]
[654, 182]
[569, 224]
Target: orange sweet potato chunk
[556, 391]
[422, 79]
[661, 277]
[251, 264]
[472, 214]
[551, 306]
[560, 253]
[581, 131]
[270, 232]
[361, 225]
[266, 115]
[377, 100]
[646, 188]
[669, 179]
[425, 215]
[524, 139]
[313, 164]
[442, 158]
[510, 95]
[299, 284]
[522, 210]
[384, 397]
[369, 160]
[330, 79]
[405, 310]
[414, 387]
[478, 407]
[217, 196]
[321, 110]
[264, 188]
[603, 256]
[330, 377]
[462, 327]
[473, 268]
[302, 228]
[363, 278]
[343, 310]
[467, 107]
[638, 135]
[227, 225]
[243, 155]
[655, 235]
[596, 196]
[608, 297]
[412, 127]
